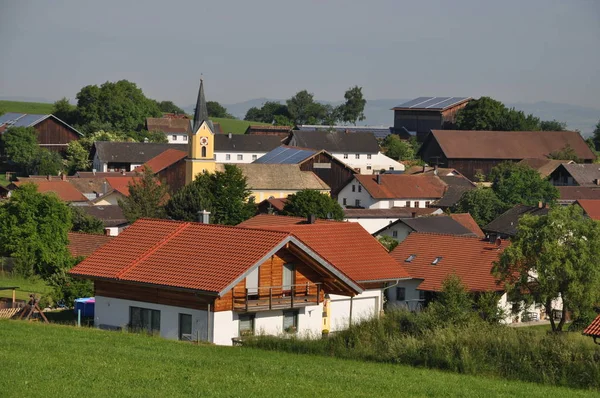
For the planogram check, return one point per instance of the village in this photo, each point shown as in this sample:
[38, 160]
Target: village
[461, 240]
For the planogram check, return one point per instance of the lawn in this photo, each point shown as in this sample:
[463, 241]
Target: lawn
[53, 360]
[25, 107]
[26, 286]
[235, 126]
[3, 181]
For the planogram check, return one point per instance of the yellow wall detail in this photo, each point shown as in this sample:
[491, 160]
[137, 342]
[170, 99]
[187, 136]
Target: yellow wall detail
[201, 156]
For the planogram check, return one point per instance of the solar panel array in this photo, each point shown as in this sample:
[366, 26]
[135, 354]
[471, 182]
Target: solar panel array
[285, 155]
[433, 103]
[378, 131]
[20, 119]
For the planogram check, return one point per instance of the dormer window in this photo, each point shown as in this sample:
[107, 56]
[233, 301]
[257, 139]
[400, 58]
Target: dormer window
[410, 258]
[436, 260]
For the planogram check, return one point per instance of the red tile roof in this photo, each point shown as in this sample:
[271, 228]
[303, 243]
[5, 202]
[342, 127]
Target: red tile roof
[163, 160]
[82, 244]
[468, 222]
[121, 184]
[402, 186]
[272, 220]
[345, 245]
[571, 194]
[63, 189]
[469, 258]
[594, 328]
[591, 207]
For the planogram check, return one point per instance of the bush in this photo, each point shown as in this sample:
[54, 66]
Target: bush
[67, 288]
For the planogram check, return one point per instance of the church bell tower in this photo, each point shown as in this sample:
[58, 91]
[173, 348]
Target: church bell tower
[201, 153]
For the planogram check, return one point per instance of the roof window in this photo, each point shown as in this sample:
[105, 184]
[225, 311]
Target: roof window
[410, 258]
[436, 260]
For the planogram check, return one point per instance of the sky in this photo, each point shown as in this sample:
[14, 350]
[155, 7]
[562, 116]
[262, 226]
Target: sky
[512, 50]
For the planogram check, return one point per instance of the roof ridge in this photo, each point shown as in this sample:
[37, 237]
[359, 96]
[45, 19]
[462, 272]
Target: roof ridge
[450, 235]
[153, 249]
[88, 233]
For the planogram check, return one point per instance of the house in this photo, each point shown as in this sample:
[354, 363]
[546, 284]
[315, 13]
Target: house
[352, 250]
[109, 156]
[332, 171]
[118, 189]
[372, 220]
[403, 227]
[268, 181]
[419, 116]
[572, 174]
[82, 244]
[435, 170]
[505, 225]
[52, 133]
[380, 132]
[544, 166]
[570, 194]
[477, 152]
[467, 221]
[358, 150]
[175, 129]
[279, 131]
[271, 206]
[169, 167]
[385, 191]
[591, 207]
[243, 148]
[193, 281]
[593, 330]
[64, 190]
[111, 216]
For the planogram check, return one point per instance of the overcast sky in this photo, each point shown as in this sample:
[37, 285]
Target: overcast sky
[513, 50]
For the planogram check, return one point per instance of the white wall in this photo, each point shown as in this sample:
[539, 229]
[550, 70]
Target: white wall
[365, 305]
[368, 202]
[247, 157]
[372, 225]
[401, 231]
[174, 138]
[373, 165]
[411, 296]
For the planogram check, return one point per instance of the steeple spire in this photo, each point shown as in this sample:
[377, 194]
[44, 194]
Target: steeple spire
[201, 113]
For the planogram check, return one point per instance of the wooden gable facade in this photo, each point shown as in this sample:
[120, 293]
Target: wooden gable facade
[332, 171]
[55, 135]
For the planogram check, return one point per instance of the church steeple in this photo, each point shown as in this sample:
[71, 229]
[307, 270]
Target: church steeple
[201, 112]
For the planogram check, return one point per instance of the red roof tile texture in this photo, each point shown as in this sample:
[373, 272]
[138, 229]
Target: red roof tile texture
[63, 189]
[402, 186]
[263, 220]
[594, 328]
[591, 208]
[82, 244]
[121, 184]
[180, 254]
[468, 222]
[163, 160]
[469, 258]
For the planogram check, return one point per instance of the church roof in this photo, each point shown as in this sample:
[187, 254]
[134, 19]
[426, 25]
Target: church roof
[201, 111]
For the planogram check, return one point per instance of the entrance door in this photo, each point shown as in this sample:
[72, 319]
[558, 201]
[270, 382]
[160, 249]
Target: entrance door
[185, 327]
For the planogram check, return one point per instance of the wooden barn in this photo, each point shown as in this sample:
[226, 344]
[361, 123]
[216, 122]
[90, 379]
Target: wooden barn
[53, 133]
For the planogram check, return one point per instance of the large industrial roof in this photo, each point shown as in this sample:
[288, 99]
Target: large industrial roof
[432, 103]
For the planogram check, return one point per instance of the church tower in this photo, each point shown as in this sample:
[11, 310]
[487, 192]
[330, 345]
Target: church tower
[201, 154]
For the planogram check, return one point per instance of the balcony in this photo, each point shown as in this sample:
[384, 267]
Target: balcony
[276, 297]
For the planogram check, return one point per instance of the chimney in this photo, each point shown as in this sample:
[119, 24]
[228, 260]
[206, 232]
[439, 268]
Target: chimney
[378, 179]
[413, 214]
[63, 176]
[49, 177]
[204, 217]
[104, 188]
[311, 219]
[229, 135]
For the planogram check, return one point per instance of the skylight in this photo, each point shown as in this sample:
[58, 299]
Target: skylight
[436, 260]
[410, 258]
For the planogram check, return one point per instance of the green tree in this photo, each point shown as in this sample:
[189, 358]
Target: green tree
[515, 184]
[453, 304]
[120, 104]
[48, 162]
[551, 257]
[63, 110]
[553, 125]
[19, 145]
[302, 107]
[514, 120]
[566, 153]
[311, 202]
[147, 197]
[389, 242]
[170, 107]
[398, 149]
[83, 222]
[33, 230]
[224, 193]
[353, 109]
[217, 110]
[77, 157]
[482, 204]
[254, 114]
[596, 135]
[148, 136]
[480, 114]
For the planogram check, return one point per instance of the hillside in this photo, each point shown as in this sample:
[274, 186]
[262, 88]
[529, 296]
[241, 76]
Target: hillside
[234, 126]
[25, 107]
[67, 361]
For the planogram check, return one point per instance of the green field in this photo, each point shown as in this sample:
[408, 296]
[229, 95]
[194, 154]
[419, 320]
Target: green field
[26, 286]
[25, 107]
[52, 360]
[234, 126]
[3, 181]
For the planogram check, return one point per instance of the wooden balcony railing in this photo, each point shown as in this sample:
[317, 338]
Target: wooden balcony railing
[276, 297]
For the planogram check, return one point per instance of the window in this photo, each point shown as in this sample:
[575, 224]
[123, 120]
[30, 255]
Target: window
[357, 156]
[246, 324]
[240, 157]
[368, 167]
[289, 270]
[357, 203]
[369, 156]
[344, 201]
[417, 204]
[290, 321]
[174, 137]
[227, 157]
[407, 203]
[353, 188]
[254, 157]
[410, 258]
[360, 188]
[427, 203]
[422, 295]
[144, 319]
[203, 151]
[436, 260]
[391, 167]
[185, 137]
[185, 327]
[400, 293]
[395, 234]
[345, 156]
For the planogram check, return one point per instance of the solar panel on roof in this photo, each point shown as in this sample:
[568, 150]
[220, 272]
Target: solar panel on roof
[432, 102]
[285, 155]
[414, 102]
[450, 101]
[11, 116]
[28, 120]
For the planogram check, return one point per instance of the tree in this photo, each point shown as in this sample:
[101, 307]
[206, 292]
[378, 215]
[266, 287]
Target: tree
[553, 125]
[33, 230]
[389, 242]
[224, 193]
[83, 222]
[596, 135]
[311, 202]
[63, 110]
[148, 136]
[170, 107]
[217, 110]
[48, 162]
[398, 149]
[515, 184]
[566, 153]
[482, 204]
[77, 157]
[302, 107]
[551, 257]
[452, 304]
[147, 197]
[19, 145]
[353, 109]
[480, 114]
[120, 104]
[254, 114]
[269, 112]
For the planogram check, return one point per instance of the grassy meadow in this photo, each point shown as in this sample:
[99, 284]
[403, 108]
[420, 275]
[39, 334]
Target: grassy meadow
[26, 107]
[234, 126]
[26, 286]
[53, 360]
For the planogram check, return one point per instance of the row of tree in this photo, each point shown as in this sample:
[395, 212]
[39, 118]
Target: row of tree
[303, 109]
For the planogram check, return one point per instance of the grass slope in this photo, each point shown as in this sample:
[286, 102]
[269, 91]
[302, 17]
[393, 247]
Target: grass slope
[51, 360]
[235, 126]
[26, 286]
[25, 107]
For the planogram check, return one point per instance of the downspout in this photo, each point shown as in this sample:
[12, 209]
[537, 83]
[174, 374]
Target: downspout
[208, 324]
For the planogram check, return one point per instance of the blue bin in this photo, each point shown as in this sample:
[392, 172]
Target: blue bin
[86, 305]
